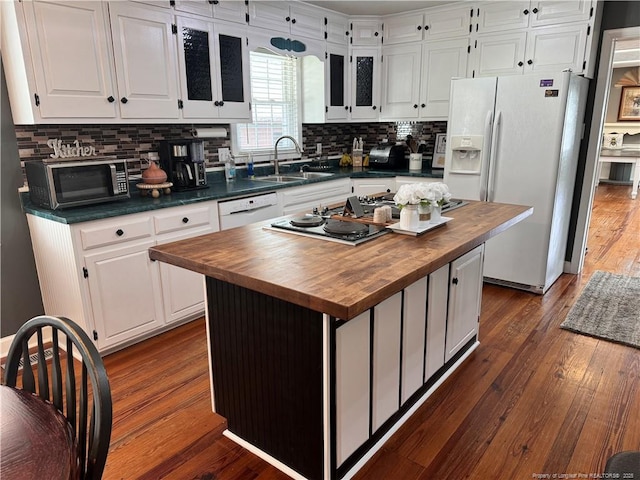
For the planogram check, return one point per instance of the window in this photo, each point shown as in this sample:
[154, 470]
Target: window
[274, 105]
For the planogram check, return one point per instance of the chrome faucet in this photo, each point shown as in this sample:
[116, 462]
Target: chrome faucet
[275, 156]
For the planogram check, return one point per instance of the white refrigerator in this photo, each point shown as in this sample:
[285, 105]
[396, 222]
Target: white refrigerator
[515, 139]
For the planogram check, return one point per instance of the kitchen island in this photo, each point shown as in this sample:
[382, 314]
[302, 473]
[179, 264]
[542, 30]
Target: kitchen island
[319, 351]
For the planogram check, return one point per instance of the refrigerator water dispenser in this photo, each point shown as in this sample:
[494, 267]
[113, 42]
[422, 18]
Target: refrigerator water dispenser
[466, 154]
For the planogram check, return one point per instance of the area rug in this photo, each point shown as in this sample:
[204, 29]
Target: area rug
[608, 308]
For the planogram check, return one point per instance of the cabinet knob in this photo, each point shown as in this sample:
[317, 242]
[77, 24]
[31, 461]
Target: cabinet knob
[347, 33]
[454, 280]
[221, 103]
[535, 10]
[423, 105]
[185, 220]
[119, 232]
[374, 107]
[293, 20]
[520, 64]
[419, 27]
[529, 62]
[376, 34]
[288, 19]
[526, 12]
[216, 103]
[426, 27]
[110, 99]
[124, 100]
[415, 105]
[346, 107]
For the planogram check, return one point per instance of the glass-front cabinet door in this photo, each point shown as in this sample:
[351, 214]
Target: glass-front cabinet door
[214, 70]
[365, 96]
[336, 81]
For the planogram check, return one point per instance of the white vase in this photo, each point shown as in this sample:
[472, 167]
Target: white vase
[436, 214]
[409, 217]
[424, 215]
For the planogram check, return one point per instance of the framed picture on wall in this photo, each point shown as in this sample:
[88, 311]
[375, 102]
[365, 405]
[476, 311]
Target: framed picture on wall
[439, 151]
[629, 104]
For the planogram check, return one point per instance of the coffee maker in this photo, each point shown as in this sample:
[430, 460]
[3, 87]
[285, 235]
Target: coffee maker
[183, 160]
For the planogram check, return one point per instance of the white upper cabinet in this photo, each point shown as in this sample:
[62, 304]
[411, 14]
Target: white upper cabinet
[416, 78]
[447, 22]
[540, 49]
[550, 12]
[501, 16]
[441, 61]
[403, 28]
[145, 57]
[72, 66]
[337, 28]
[365, 84]
[229, 10]
[336, 69]
[500, 54]
[214, 61]
[365, 32]
[288, 19]
[556, 48]
[401, 81]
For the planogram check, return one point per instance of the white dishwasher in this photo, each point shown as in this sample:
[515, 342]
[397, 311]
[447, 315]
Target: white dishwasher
[246, 210]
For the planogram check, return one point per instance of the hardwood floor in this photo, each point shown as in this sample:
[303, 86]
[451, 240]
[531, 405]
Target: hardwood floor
[532, 399]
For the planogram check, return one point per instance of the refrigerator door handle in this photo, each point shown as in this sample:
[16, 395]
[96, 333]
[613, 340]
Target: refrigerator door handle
[495, 138]
[486, 157]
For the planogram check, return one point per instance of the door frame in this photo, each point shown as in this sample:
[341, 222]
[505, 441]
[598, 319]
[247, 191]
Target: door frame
[589, 183]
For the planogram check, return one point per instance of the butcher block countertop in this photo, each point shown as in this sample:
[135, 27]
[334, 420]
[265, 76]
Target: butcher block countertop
[340, 280]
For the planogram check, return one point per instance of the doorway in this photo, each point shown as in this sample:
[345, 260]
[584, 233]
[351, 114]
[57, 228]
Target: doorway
[603, 88]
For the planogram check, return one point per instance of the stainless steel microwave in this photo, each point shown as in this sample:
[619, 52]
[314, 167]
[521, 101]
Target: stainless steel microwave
[74, 183]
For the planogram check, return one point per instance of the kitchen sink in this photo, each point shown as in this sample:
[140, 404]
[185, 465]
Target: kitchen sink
[310, 174]
[293, 177]
[278, 178]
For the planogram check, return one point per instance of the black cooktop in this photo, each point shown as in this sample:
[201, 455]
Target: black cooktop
[350, 233]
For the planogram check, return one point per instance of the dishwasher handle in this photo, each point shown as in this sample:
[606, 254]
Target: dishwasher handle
[255, 209]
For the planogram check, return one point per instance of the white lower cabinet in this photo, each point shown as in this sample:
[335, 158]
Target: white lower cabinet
[370, 186]
[387, 357]
[465, 293]
[182, 289]
[99, 274]
[307, 197]
[123, 287]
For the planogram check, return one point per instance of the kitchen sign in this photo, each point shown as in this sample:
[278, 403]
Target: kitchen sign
[70, 150]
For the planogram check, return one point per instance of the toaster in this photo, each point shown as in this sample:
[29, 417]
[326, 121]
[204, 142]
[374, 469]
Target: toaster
[389, 156]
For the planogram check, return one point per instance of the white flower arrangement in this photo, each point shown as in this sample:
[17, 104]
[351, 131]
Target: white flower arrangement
[436, 193]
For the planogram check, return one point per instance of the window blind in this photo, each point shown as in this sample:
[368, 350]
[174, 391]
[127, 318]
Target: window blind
[274, 104]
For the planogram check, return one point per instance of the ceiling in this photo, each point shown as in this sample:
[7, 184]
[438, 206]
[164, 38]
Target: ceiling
[376, 7]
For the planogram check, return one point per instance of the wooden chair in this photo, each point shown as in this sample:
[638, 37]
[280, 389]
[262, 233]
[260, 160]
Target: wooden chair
[88, 410]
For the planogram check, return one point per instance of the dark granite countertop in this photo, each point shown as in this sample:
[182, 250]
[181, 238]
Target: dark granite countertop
[217, 189]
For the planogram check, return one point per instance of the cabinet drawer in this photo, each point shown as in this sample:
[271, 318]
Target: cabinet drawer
[182, 220]
[115, 232]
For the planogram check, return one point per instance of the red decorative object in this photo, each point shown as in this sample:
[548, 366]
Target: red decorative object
[154, 174]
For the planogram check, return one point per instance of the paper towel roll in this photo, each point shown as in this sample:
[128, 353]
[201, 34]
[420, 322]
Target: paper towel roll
[219, 132]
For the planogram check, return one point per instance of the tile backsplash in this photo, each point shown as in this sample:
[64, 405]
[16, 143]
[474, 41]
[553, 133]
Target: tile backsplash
[134, 141]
